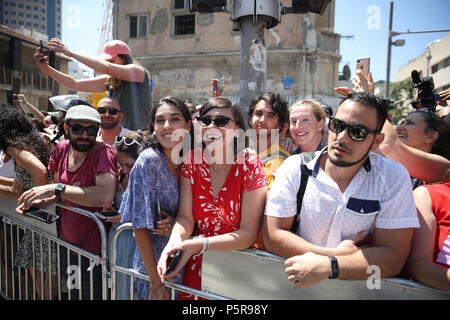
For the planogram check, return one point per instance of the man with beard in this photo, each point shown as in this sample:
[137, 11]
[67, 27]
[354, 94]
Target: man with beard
[111, 115]
[351, 193]
[83, 169]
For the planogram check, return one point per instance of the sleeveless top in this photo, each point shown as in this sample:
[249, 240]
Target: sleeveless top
[135, 101]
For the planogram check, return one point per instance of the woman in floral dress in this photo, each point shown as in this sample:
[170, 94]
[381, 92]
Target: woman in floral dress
[222, 193]
[154, 178]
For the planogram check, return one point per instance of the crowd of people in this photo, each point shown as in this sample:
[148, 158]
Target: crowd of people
[332, 192]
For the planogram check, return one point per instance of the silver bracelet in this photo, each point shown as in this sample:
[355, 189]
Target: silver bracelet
[205, 244]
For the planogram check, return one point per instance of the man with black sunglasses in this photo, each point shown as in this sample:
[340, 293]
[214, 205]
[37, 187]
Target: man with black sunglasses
[111, 116]
[83, 169]
[351, 195]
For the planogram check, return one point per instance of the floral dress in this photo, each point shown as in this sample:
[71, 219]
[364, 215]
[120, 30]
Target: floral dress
[222, 214]
[24, 255]
[150, 179]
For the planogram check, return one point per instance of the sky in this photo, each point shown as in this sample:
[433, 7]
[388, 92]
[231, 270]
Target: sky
[366, 20]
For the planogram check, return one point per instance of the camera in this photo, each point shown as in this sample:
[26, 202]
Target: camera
[425, 92]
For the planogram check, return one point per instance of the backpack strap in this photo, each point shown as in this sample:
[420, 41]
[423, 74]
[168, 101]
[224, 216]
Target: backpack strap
[301, 191]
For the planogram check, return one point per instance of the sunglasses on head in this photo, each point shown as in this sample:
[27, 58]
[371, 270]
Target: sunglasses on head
[218, 122]
[127, 141]
[112, 111]
[356, 132]
[78, 130]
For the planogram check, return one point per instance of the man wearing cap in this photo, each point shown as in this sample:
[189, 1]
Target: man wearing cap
[350, 193]
[122, 77]
[111, 114]
[83, 169]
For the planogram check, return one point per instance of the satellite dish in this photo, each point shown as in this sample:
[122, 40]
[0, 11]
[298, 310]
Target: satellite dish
[346, 72]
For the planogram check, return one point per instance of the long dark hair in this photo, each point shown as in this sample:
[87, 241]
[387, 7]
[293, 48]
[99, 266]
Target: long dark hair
[18, 131]
[434, 123]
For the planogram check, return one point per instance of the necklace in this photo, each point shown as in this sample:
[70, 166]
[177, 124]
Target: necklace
[174, 168]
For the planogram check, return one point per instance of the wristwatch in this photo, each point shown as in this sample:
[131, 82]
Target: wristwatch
[58, 190]
[334, 273]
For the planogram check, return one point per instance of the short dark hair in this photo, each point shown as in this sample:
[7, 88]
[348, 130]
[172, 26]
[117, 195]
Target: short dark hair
[370, 100]
[279, 106]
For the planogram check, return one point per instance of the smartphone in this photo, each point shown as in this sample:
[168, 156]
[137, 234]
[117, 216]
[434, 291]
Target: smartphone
[42, 50]
[41, 215]
[363, 64]
[173, 261]
[220, 84]
[158, 204]
[106, 214]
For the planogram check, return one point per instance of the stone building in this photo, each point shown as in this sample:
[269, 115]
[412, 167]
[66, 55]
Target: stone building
[20, 74]
[184, 51]
[435, 62]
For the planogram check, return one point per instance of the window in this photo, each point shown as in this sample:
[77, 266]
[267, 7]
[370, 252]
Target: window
[181, 4]
[185, 24]
[138, 26]
[434, 68]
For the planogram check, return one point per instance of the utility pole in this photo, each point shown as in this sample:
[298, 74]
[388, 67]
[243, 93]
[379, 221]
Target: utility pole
[252, 18]
[399, 43]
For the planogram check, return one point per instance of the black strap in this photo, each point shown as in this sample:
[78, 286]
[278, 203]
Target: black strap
[301, 191]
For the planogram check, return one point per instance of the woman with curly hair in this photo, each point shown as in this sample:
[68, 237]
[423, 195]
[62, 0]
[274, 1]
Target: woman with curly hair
[21, 142]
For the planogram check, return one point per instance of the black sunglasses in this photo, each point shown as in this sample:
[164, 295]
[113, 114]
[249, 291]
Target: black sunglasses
[356, 132]
[218, 122]
[112, 111]
[78, 130]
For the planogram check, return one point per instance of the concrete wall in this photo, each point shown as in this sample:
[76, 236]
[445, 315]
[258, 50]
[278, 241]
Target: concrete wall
[184, 65]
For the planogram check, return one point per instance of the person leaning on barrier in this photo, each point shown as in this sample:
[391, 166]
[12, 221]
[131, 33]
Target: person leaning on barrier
[83, 169]
[422, 165]
[351, 192]
[429, 261]
[21, 142]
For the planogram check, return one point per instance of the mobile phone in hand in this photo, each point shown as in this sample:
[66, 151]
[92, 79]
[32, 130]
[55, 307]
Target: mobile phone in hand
[41, 215]
[106, 214]
[363, 64]
[173, 261]
[42, 51]
[220, 84]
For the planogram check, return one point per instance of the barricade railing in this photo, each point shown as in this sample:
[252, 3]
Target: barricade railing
[132, 274]
[246, 274]
[12, 277]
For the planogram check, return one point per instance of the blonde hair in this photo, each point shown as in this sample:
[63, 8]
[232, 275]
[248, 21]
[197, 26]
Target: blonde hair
[114, 83]
[315, 106]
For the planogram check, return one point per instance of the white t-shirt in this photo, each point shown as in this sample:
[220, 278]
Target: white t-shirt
[7, 168]
[379, 195]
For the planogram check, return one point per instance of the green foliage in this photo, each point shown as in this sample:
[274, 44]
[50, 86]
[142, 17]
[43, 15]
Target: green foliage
[400, 95]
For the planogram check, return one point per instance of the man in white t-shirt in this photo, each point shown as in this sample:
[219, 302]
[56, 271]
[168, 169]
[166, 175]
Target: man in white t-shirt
[351, 193]
[111, 115]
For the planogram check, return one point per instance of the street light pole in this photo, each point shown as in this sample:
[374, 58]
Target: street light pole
[388, 66]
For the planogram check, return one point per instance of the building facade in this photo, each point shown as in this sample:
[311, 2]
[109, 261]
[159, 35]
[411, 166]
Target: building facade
[184, 51]
[434, 62]
[20, 74]
[43, 16]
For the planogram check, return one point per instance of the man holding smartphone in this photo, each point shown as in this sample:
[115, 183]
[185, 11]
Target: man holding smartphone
[83, 168]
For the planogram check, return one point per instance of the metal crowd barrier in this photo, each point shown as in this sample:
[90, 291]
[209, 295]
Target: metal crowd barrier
[246, 274]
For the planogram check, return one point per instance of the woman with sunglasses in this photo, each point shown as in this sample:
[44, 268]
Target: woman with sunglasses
[307, 126]
[21, 142]
[223, 190]
[123, 78]
[153, 185]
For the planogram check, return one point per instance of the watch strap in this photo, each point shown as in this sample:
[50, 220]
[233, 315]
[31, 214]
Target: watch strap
[334, 273]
